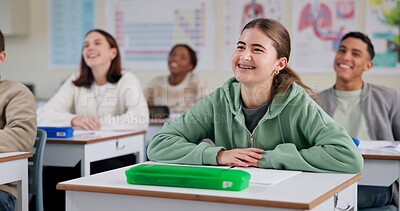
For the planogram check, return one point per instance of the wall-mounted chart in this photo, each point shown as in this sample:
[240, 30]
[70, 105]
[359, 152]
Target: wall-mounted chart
[146, 30]
[69, 21]
[382, 26]
[317, 27]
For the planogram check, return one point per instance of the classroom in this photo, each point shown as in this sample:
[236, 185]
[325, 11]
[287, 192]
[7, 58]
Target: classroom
[33, 37]
[33, 49]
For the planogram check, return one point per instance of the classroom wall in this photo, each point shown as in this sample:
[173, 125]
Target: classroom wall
[27, 58]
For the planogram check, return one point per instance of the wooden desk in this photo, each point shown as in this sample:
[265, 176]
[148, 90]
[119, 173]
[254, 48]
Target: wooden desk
[93, 146]
[14, 168]
[305, 191]
[381, 164]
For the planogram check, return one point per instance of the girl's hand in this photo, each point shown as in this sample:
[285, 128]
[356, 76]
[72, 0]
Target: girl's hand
[242, 157]
[86, 122]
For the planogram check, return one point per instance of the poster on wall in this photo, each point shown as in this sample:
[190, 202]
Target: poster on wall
[238, 13]
[317, 27]
[69, 21]
[382, 26]
[146, 30]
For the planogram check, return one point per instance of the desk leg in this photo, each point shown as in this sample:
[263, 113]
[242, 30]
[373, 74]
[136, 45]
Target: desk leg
[140, 157]
[23, 198]
[24, 186]
[85, 164]
[141, 154]
[85, 168]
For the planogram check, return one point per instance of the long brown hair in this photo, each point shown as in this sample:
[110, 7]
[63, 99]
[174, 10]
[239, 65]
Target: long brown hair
[281, 42]
[2, 45]
[86, 78]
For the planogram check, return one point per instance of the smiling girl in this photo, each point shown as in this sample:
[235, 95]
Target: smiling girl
[264, 116]
[101, 96]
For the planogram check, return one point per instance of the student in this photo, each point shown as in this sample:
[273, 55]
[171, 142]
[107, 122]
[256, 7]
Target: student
[101, 96]
[263, 117]
[17, 126]
[367, 111]
[182, 88]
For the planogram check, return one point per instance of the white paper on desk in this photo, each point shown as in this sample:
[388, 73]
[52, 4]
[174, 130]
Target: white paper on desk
[391, 146]
[268, 176]
[84, 132]
[100, 132]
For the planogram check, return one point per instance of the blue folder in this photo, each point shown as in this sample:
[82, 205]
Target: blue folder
[58, 132]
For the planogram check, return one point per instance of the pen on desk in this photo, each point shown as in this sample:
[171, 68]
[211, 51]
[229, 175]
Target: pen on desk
[392, 146]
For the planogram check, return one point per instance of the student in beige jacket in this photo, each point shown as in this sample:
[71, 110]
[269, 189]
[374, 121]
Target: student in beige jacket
[17, 126]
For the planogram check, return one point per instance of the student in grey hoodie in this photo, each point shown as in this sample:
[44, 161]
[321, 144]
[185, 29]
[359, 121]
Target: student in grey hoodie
[367, 111]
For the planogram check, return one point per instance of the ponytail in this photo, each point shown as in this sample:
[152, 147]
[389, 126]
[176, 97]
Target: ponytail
[285, 78]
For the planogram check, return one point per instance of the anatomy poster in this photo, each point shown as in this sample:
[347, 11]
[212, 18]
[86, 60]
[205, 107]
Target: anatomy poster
[317, 28]
[382, 26]
[238, 13]
[146, 30]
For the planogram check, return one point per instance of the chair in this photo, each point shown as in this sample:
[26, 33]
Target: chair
[36, 168]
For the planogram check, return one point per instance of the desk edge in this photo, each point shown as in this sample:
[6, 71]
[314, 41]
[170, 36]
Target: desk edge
[319, 200]
[94, 140]
[16, 157]
[218, 199]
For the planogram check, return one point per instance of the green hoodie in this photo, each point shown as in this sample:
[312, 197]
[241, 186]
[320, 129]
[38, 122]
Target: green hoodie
[295, 133]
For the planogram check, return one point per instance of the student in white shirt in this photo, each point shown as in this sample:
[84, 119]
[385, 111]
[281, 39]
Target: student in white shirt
[182, 88]
[100, 97]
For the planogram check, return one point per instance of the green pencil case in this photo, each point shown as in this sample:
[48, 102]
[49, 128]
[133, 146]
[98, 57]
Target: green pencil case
[188, 177]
